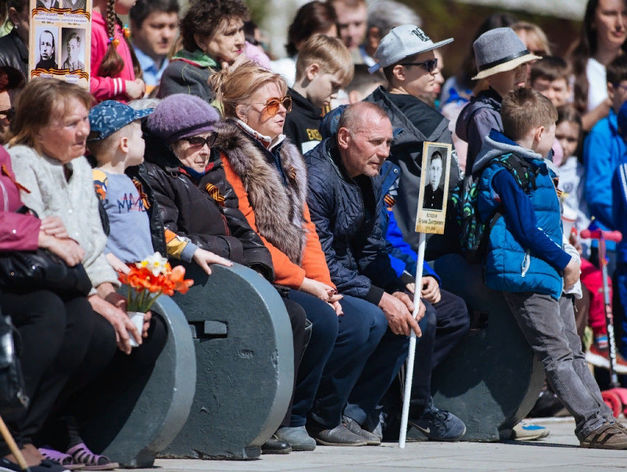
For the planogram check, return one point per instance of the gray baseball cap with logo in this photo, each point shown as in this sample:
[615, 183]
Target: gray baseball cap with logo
[401, 42]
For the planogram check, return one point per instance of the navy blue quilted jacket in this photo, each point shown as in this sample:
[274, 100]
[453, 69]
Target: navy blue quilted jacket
[345, 212]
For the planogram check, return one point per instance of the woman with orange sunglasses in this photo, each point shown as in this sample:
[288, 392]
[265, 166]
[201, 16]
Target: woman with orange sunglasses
[268, 175]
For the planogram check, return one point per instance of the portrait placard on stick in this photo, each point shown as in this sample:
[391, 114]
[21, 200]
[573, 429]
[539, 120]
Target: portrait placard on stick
[60, 40]
[434, 183]
[430, 218]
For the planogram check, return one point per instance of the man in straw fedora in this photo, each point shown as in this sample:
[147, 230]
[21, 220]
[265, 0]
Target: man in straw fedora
[503, 60]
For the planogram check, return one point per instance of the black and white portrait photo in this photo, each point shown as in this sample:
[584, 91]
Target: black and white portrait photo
[434, 186]
[73, 54]
[47, 47]
[48, 4]
[74, 4]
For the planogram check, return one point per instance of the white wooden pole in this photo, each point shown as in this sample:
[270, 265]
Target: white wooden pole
[409, 371]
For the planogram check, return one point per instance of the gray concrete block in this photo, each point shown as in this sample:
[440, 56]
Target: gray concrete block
[163, 406]
[245, 366]
[492, 379]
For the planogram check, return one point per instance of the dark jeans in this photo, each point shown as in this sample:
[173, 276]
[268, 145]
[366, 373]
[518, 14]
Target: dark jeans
[444, 325]
[323, 335]
[298, 318]
[55, 335]
[549, 328]
[360, 367]
[122, 380]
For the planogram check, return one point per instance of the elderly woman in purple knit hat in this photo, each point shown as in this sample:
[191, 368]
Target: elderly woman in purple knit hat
[199, 206]
[182, 170]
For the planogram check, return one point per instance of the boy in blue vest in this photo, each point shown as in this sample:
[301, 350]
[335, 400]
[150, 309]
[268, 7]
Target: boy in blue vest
[526, 263]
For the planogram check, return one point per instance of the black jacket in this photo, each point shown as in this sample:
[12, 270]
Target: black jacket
[205, 211]
[302, 124]
[14, 53]
[475, 121]
[345, 212]
[186, 76]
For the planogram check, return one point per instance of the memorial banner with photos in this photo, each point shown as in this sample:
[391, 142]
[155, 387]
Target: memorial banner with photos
[60, 40]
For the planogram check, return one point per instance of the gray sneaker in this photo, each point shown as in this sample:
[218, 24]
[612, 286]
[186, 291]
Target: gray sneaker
[339, 436]
[354, 427]
[297, 437]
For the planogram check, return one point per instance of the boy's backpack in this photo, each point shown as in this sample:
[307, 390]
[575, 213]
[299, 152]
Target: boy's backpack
[472, 232]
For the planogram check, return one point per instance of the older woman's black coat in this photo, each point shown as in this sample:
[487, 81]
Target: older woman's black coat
[205, 211]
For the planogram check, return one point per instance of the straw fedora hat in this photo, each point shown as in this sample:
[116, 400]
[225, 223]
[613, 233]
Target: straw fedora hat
[499, 50]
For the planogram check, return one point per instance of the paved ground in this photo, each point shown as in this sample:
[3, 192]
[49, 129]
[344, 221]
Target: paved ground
[556, 453]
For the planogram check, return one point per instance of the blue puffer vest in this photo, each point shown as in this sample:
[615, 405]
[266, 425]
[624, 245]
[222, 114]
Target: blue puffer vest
[509, 266]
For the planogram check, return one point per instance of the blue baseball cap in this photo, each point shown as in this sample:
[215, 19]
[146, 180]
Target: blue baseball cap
[109, 116]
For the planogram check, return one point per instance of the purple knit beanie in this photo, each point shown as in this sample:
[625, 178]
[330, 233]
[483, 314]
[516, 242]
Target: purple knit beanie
[181, 115]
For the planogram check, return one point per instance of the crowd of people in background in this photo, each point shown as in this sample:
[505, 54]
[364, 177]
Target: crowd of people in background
[194, 141]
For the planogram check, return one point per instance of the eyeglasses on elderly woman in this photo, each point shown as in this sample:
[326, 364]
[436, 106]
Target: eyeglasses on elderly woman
[199, 141]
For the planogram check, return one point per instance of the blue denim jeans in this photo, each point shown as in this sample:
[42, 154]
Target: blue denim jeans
[361, 365]
[549, 328]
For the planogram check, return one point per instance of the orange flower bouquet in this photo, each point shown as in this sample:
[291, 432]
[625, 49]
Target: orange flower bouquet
[148, 279]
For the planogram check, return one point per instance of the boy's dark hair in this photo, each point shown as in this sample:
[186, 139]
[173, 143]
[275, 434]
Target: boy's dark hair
[617, 70]
[204, 18]
[524, 109]
[550, 68]
[312, 17]
[143, 8]
[362, 79]
[387, 71]
[569, 114]
[19, 5]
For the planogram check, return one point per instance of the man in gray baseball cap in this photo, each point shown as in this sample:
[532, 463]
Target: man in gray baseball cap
[406, 56]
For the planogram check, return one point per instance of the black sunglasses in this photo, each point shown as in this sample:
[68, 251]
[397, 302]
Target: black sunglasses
[198, 141]
[8, 114]
[430, 65]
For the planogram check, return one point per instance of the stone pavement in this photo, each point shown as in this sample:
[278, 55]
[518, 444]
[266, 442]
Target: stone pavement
[555, 453]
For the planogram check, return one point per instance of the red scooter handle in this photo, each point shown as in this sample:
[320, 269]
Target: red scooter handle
[615, 236]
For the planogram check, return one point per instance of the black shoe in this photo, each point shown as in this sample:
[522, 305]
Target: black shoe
[46, 466]
[275, 446]
[439, 425]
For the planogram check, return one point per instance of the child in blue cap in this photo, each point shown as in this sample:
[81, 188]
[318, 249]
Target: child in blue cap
[116, 143]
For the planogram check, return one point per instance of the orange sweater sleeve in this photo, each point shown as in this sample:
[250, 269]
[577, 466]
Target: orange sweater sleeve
[314, 261]
[285, 271]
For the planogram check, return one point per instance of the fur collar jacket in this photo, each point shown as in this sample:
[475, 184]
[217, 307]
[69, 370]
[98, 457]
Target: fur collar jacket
[276, 183]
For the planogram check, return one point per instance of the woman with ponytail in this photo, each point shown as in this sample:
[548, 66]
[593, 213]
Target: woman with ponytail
[115, 71]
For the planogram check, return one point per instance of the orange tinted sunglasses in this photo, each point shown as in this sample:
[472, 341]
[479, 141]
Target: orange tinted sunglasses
[272, 105]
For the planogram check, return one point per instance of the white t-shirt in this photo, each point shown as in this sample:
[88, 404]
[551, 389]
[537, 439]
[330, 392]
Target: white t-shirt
[597, 88]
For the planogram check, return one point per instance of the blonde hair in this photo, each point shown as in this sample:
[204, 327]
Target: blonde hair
[536, 32]
[38, 102]
[329, 53]
[236, 85]
[524, 109]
